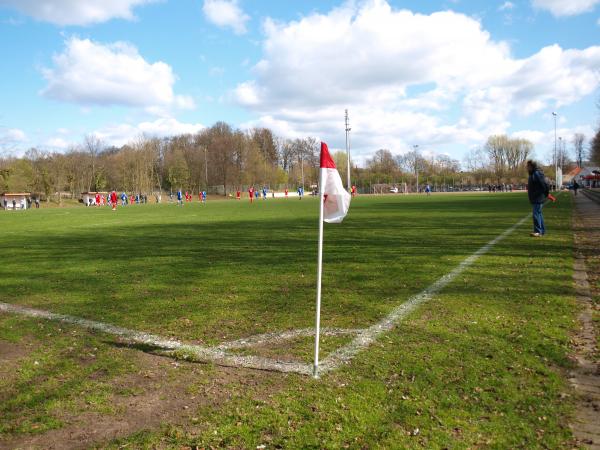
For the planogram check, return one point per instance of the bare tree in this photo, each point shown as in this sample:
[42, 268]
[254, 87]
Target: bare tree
[507, 155]
[595, 148]
[578, 140]
[93, 146]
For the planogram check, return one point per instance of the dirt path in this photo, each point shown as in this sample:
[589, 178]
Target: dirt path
[586, 376]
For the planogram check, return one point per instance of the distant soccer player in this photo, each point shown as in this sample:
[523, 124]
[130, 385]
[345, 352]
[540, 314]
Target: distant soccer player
[204, 197]
[264, 191]
[300, 192]
[353, 191]
[251, 193]
[179, 198]
[286, 192]
[113, 200]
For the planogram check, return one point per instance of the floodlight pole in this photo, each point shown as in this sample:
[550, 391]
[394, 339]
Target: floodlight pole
[555, 155]
[205, 168]
[560, 151]
[302, 166]
[416, 148]
[349, 185]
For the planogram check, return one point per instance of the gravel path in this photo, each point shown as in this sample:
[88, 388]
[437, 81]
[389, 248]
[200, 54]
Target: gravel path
[586, 376]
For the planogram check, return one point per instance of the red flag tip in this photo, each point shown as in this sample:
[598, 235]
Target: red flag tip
[326, 160]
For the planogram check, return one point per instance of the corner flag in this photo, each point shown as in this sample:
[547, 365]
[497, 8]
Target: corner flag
[334, 205]
[336, 199]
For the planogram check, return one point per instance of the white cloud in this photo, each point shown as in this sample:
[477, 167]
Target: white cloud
[10, 139]
[506, 6]
[226, 14]
[90, 73]
[396, 70]
[560, 8]
[216, 71]
[14, 135]
[75, 12]
[58, 143]
[122, 134]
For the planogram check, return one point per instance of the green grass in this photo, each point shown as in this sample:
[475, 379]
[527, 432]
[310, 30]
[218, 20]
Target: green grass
[480, 365]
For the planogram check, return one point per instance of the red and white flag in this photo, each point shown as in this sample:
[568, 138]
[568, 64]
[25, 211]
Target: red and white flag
[336, 200]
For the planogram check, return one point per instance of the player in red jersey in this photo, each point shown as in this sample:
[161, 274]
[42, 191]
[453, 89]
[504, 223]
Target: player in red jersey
[286, 192]
[113, 200]
[251, 193]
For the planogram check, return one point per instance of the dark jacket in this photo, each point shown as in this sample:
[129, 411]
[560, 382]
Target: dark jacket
[537, 188]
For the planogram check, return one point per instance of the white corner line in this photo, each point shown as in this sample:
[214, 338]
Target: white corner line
[219, 354]
[369, 335]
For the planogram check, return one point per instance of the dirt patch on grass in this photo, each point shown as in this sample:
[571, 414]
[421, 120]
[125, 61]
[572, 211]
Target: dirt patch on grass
[161, 391]
[11, 352]
[10, 355]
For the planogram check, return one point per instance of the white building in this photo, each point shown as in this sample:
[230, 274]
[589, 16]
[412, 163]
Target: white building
[14, 200]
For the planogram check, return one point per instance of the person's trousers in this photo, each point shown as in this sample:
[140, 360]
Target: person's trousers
[538, 219]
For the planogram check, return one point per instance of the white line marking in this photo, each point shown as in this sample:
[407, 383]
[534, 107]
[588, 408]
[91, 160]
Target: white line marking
[277, 337]
[219, 354]
[215, 355]
[344, 354]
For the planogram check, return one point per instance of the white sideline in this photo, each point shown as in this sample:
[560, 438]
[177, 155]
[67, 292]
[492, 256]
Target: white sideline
[219, 354]
[369, 335]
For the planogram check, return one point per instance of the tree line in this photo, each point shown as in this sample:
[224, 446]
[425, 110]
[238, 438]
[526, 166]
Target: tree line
[221, 159]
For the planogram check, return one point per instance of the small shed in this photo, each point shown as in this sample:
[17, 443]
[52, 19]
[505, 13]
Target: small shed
[89, 198]
[14, 200]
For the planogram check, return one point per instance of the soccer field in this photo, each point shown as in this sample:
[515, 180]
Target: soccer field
[230, 270]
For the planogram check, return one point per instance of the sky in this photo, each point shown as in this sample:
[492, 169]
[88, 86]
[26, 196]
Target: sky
[442, 74]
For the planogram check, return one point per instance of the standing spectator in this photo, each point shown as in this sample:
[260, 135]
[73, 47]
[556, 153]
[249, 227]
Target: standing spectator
[37, 203]
[575, 186]
[537, 191]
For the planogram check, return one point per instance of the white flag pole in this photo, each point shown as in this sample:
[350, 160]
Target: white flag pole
[319, 272]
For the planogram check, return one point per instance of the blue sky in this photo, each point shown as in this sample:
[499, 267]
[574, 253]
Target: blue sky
[441, 74]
